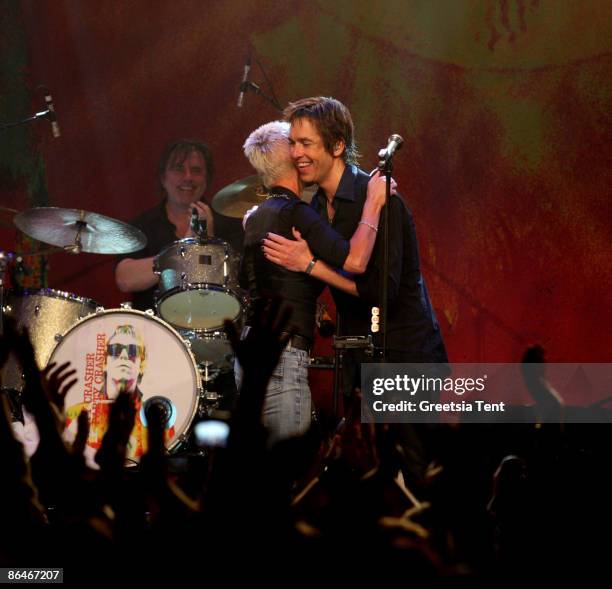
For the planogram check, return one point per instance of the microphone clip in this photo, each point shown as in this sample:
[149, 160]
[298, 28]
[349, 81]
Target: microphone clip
[385, 155]
[198, 226]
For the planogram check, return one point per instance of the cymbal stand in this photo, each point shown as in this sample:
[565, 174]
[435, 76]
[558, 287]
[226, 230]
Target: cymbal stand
[4, 259]
[209, 400]
[77, 246]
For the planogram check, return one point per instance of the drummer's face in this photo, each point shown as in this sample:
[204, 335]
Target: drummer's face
[185, 181]
[123, 360]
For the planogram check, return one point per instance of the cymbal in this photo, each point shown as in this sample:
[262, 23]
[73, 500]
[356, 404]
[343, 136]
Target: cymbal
[78, 231]
[237, 198]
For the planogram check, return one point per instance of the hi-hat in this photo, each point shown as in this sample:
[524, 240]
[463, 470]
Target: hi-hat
[237, 198]
[78, 231]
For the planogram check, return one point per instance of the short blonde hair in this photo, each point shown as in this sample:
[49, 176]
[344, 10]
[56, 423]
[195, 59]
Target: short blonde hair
[267, 149]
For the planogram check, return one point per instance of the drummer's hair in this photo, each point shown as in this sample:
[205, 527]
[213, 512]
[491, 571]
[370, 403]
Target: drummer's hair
[177, 151]
[261, 149]
[332, 120]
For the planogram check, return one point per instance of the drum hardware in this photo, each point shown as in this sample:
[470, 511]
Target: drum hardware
[208, 372]
[340, 345]
[322, 362]
[209, 402]
[198, 226]
[354, 342]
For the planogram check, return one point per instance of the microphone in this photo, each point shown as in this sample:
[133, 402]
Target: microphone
[198, 226]
[243, 86]
[394, 143]
[195, 226]
[55, 130]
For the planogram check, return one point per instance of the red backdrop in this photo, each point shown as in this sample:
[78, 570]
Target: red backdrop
[504, 104]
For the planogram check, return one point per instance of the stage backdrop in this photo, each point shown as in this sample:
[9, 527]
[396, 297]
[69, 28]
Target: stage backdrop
[504, 106]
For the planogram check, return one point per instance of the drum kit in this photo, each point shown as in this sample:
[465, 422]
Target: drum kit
[172, 352]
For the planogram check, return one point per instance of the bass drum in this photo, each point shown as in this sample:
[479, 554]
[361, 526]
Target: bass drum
[127, 350]
[46, 313]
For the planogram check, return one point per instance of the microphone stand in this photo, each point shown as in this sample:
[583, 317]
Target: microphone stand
[385, 165]
[45, 114]
[364, 343]
[246, 86]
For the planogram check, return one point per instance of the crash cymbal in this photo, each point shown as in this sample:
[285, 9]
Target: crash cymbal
[236, 199]
[78, 231]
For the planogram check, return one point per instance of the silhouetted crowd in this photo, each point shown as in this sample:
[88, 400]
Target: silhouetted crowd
[364, 501]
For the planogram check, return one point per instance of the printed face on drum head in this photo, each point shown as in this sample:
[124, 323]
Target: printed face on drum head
[185, 179]
[124, 363]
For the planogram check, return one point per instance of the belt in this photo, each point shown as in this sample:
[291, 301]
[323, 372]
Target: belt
[299, 342]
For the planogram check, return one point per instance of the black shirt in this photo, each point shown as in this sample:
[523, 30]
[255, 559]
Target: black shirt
[160, 233]
[278, 214]
[412, 327]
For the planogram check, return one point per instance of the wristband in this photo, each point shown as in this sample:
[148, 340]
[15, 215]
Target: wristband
[311, 265]
[373, 227]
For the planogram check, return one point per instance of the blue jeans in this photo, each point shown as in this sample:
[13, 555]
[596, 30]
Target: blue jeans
[287, 407]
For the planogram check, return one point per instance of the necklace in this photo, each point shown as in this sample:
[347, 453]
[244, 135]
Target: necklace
[269, 196]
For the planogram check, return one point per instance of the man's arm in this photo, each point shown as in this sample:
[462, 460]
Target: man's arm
[362, 241]
[135, 275]
[321, 271]
[326, 243]
[301, 259]
[401, 227]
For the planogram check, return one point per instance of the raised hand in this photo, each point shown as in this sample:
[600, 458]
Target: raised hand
[121, 420]
[80, 440]
[56, 384]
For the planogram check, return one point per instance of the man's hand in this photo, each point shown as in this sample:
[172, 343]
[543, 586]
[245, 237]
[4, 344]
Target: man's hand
[377, 187]
[205, 214]
[290, 254]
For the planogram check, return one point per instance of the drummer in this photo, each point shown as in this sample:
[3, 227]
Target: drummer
[184, 171]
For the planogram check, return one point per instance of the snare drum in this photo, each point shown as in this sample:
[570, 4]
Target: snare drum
[46, 313]
[124, 349]
[198, 285]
